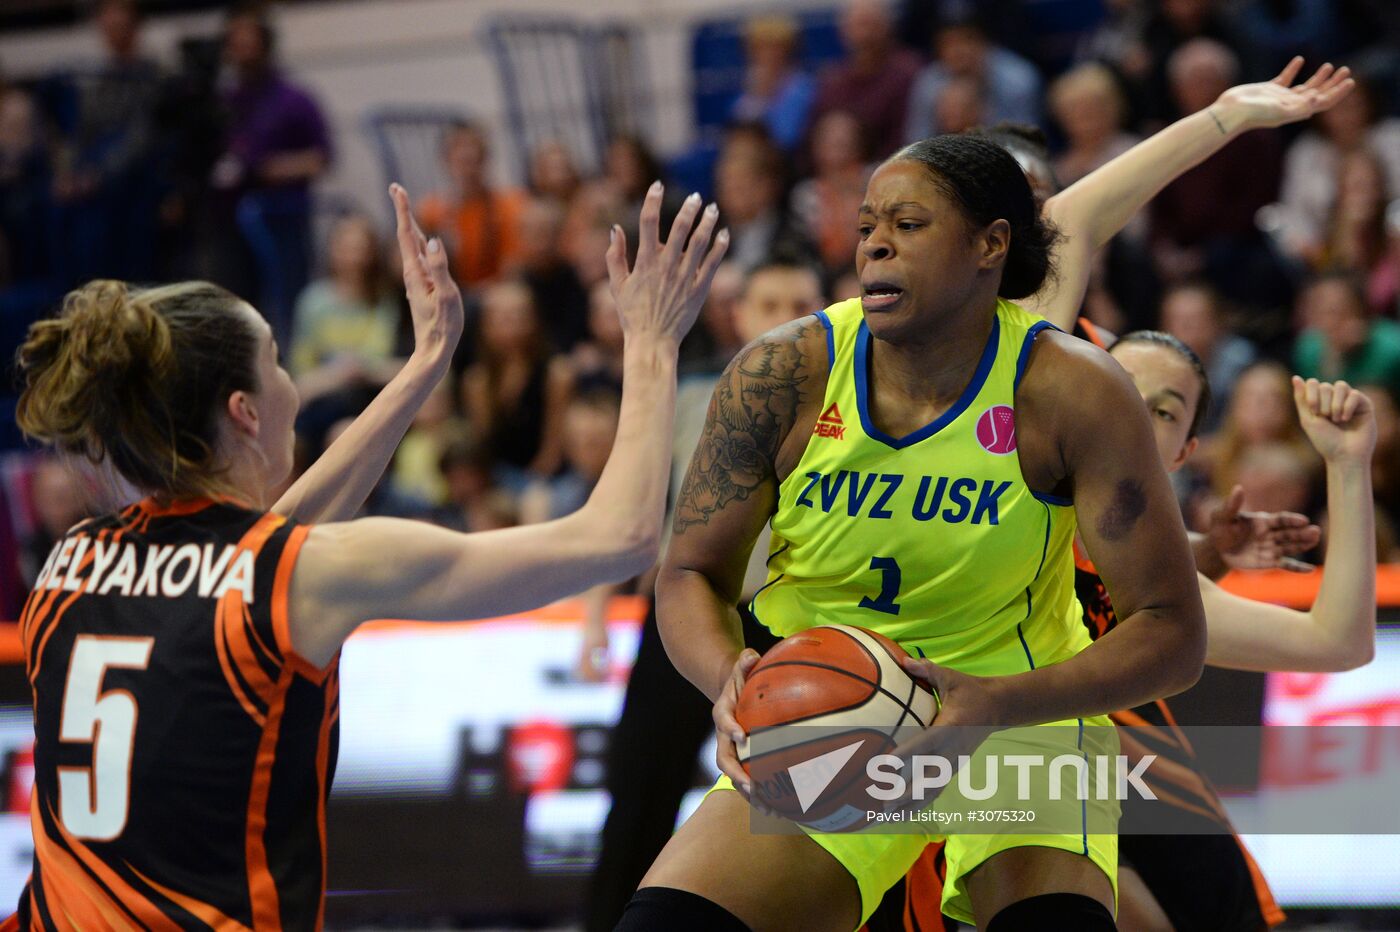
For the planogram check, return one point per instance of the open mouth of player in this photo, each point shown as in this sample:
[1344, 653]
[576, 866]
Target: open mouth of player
[880, 296]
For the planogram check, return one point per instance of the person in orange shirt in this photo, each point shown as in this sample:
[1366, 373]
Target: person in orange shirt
[481, 223]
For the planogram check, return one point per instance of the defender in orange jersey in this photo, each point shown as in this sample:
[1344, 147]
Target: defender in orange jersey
[183, 651]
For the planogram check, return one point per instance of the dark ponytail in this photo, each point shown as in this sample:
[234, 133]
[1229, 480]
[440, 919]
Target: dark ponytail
[988, 184]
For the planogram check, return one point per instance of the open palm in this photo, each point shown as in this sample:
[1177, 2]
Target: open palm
[1276, 102]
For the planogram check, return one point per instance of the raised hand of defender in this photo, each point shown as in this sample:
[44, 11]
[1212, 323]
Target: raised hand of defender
[434, 301]
[661, 295]
[728, 731]
[1276, 102]
[1260, 540]
[1338, 420]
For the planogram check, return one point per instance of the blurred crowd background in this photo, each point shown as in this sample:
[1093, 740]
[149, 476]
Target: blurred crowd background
[1281, 254]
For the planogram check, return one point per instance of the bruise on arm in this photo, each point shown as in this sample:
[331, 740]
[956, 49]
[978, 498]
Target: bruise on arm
[1127, 505]
[1128, 514]
[1088, 435]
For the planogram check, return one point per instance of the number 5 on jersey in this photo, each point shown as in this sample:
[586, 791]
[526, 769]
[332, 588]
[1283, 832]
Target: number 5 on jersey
[93, 801]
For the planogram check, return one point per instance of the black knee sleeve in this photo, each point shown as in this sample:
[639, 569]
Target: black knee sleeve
[1053, 912]
[665, 909]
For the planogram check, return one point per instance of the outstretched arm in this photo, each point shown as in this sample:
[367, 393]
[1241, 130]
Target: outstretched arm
[1338, 633]
[338, 483]
[1094, 209]
[384, 568]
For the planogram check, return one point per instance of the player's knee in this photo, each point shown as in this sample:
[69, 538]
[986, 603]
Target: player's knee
[666, 909]
[1054, 911]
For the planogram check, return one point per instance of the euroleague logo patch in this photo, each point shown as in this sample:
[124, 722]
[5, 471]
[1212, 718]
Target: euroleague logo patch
[996, 430]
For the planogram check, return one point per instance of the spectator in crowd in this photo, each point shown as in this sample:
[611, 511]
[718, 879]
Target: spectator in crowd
[1356, 234]
[1008, 85]
[1192, 312]
[1261, 413]
[24, 190]
[541, 264]
[1311, 166]
[615, 198]
[60, 500]
[827, 203]
[1171, 25]
[1203, 223]
[415, 483]
[1119, 40]
[276, 145]
[846, 285]
[1383, 282]
[1342, 340]
[1270, 33]
[1004, 19]
[750, 193]
[473, 501]
[28, 284]
[1385, 465]
[1090, 109]
[777, 92]
[597, 361]
[1275, 477]
[516, 393]
[481, 223]
[712, 343]
[874, 80]
[106, 172]
[959, 106]
[589, 424]
[554, 174]
[345, 334]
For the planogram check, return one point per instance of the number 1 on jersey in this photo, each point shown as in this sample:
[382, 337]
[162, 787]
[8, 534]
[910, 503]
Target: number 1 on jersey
[93, 801]
[889, 586]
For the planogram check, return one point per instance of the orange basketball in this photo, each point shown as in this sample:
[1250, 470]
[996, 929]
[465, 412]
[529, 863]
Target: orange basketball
[816, 708]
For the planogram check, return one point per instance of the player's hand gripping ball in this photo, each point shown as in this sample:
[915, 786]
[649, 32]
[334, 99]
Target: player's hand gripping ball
[816, 709]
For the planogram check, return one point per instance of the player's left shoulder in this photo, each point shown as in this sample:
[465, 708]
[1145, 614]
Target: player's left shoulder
[1061, 369]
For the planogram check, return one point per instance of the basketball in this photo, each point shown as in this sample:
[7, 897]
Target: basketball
[848, 690]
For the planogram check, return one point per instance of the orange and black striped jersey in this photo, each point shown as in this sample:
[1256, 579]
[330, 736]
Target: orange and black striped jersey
[1176, 778]
[183, 751]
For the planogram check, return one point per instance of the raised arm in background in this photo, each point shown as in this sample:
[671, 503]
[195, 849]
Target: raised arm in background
[385, 568]
[340, 480]
[1338, 632]
[1094, 209]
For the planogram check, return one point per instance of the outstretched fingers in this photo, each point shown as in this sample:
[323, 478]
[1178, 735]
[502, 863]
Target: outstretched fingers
[1341, 85]
[1289, 72]
[680, 230]
[649, 230]
[699, 242]
[713, 259]
[617, 258]
[412, 245]
[1319, 77]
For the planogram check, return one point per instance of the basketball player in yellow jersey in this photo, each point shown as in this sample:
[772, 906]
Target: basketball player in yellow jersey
[878, 439]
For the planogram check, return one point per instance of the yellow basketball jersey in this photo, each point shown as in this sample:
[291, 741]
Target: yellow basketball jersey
[932, 539]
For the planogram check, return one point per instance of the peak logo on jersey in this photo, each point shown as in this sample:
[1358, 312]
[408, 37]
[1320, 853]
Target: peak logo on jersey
[996, 430]
[830, 424]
